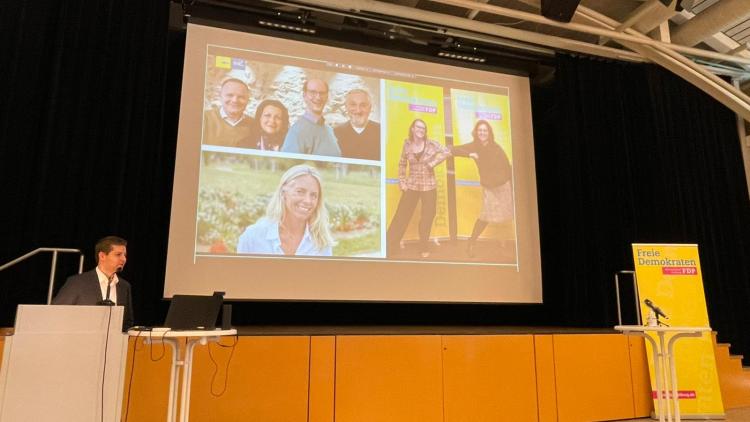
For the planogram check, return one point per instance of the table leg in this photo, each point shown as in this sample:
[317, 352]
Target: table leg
[656, 356]
[673, 376]
[665, 376]
[187, 376]
[174, 374]
[673, 371]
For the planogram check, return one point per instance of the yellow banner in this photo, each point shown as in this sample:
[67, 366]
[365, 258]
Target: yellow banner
[406, 102]
[467, 107]
[670, 276]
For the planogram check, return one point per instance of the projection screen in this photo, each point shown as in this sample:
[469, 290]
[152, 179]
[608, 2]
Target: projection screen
[309, 172]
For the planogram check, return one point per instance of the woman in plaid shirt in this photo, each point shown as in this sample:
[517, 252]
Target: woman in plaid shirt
[420, 155]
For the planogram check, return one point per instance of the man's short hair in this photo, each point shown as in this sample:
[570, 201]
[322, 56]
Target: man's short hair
[105, 245]
[359, 91]
[239, 81]
[304, 85]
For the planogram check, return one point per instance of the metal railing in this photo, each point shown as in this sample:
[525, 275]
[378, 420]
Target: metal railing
[635, 293]
[54, 251]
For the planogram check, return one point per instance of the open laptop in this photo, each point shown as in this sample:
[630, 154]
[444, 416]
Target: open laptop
[193, 312]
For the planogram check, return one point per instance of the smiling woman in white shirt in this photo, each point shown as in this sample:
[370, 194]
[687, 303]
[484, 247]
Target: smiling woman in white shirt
[296, 220]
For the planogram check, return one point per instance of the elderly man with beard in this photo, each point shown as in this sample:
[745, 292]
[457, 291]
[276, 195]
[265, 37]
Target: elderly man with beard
[309, 134]
[360, 136]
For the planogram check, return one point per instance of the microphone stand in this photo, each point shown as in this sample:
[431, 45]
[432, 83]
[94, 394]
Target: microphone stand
[107, 301]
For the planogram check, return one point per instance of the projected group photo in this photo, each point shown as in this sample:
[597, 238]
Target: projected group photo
[318, 162]
[318, 172]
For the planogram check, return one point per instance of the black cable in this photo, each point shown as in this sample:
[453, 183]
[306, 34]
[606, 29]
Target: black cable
[130, 380]
[216, 366]
[104, 371]
[151, 346]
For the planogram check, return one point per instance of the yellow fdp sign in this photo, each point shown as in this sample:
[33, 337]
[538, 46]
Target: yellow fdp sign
[670, 276]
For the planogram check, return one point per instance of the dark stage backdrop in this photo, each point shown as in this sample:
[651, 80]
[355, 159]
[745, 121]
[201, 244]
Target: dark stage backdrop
[625, 153]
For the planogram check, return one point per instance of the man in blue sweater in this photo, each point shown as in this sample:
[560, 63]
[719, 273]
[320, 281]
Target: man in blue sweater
[309, 134]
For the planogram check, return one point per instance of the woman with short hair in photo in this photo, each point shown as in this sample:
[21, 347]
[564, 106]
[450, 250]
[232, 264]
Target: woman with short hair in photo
[296, 219]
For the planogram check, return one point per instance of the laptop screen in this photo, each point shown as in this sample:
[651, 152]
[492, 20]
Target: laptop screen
[192, 312]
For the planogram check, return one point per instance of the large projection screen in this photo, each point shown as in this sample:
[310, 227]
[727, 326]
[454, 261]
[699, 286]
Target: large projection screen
[310, 172]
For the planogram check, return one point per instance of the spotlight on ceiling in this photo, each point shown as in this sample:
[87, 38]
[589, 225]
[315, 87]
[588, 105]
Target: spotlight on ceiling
[457, 55]
[285, 26]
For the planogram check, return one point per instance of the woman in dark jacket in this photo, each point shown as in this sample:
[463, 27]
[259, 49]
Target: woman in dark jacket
[495, 177]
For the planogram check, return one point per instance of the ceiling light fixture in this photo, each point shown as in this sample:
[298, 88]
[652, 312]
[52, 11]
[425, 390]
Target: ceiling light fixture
[461, 56]
[287, 26]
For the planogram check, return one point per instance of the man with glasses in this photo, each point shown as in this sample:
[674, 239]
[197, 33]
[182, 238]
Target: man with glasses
[309, 134]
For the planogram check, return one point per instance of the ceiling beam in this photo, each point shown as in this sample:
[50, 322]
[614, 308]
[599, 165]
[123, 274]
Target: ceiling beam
[716, 18]
[473, 13]
[588, 29]
[725, 93]
[449, 21]
[647, 16]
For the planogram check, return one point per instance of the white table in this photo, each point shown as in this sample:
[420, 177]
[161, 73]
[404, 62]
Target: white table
[664, 366]
[185, 362]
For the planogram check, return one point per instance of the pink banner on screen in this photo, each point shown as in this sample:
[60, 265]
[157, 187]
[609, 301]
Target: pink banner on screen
[679, 270]
[422, 108]
[489, 115]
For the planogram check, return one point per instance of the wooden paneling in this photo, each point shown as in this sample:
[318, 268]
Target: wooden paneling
[489, 378]
[267, 380]
[544, 354]
[642, 401]
[593, 380]
[146, 390]
[424, 378]
[322, 370]
[389, 378]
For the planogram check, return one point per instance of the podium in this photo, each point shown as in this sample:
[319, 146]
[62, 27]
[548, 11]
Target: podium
[665, 375]
[54, 366]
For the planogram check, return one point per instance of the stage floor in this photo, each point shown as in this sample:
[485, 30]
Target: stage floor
[378, 330]
[741, 414]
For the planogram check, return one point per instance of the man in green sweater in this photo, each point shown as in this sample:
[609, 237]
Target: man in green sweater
[228, 125]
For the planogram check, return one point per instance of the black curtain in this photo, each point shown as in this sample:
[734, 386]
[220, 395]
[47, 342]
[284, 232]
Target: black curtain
[625, 153]
[88, 122]
[631, 153]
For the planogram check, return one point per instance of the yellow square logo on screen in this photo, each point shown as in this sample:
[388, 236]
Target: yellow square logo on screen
[223, 62]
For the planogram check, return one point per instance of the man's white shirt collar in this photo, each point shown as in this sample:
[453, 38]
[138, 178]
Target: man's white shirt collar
[359, 130]
[228, 119]
[103, 281]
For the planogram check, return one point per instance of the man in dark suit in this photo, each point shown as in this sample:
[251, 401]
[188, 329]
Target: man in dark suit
[93, 287]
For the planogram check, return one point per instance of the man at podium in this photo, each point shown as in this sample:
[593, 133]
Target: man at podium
[101, 286]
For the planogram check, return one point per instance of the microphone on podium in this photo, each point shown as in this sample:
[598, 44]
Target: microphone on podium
[657, 311]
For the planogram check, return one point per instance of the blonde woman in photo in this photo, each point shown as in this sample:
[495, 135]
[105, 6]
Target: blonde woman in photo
[296, 220]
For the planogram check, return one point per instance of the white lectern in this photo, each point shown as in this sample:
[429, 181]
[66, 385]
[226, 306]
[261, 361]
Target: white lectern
[664, 366]
[54, 364]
